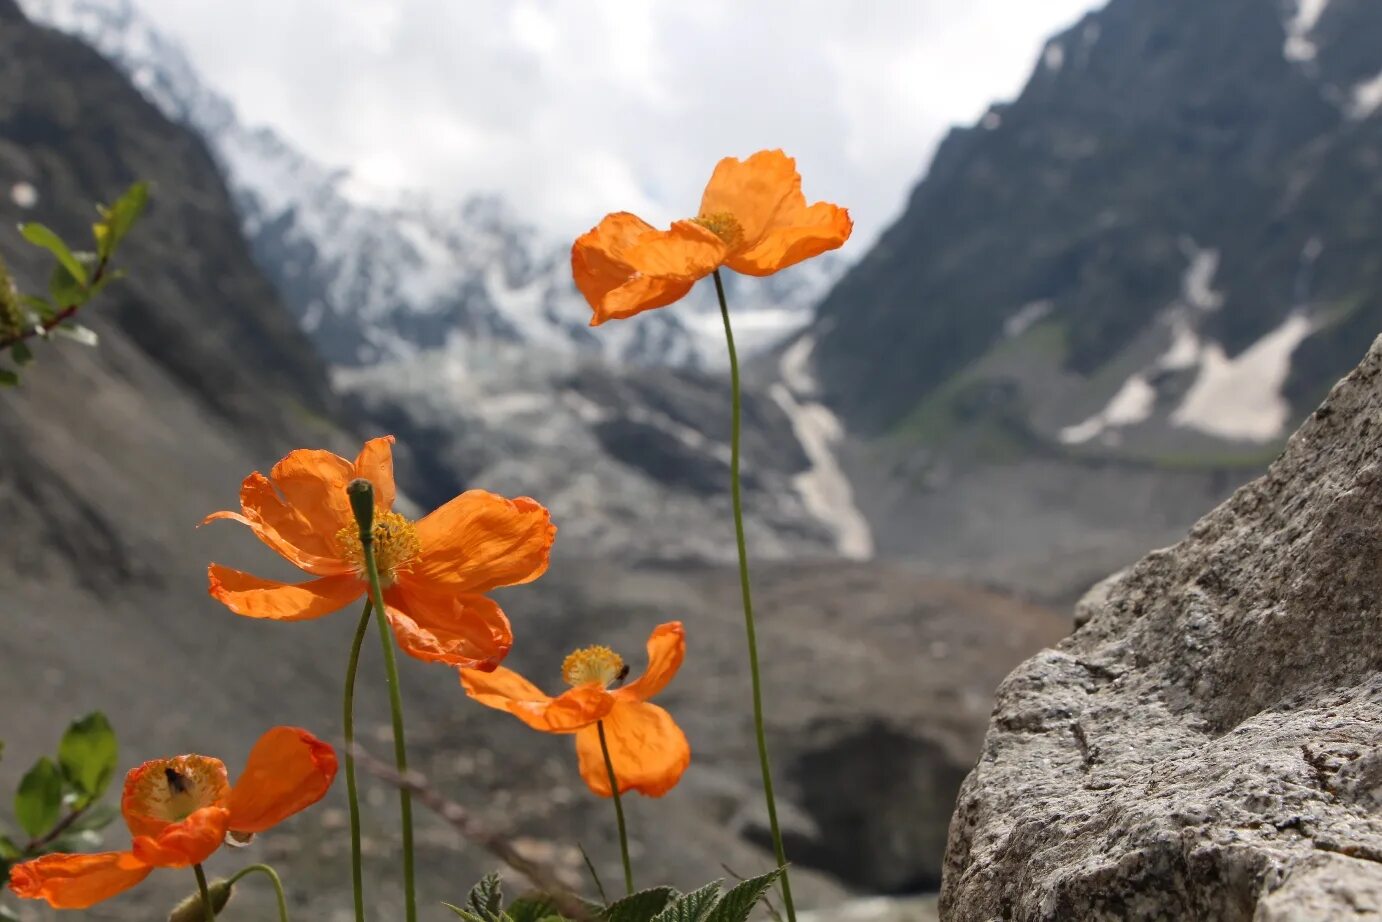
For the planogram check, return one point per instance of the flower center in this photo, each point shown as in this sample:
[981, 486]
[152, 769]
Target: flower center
[723, 225]
[395, 542]
[174, 789]
[593, 664]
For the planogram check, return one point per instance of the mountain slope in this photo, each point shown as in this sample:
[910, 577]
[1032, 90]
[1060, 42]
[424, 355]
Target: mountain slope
[1178, 230]
[198, 368]
[377, 277]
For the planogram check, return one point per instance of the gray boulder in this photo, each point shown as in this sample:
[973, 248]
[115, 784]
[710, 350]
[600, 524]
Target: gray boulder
[1208, 744]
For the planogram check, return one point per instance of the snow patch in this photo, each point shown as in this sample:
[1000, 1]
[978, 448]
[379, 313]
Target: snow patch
[1054, 57]
[1197, 285]
[824, 488]
[1184, 351]
[1131, 405]
[1299, 48]
[1027, 315]
[1240, 398]
[991, 121]
[1365, 98]
[1134, 401]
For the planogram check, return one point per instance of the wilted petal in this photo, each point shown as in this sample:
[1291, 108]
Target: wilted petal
[77, 881]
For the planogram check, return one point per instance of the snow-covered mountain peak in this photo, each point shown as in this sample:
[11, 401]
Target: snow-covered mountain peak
[373, 274]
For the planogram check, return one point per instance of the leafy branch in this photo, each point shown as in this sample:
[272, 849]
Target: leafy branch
[76, 278]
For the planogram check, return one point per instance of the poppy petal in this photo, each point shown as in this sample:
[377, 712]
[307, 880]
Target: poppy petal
[799, 234]
[647, 748]
[185, 843]
[464, 630]
[288, 770]
[313, 482]
[253, 597]
[752, 191]
[610, 283]
[77, 881]
[506, 690]
[375, 464]
[685, 253]
[285, 532]
[480, 541]
[666, 650]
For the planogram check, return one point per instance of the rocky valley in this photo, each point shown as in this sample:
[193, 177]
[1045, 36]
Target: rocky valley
[1103, 308]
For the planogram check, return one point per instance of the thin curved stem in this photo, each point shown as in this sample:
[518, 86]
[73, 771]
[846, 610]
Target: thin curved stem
[357, 878]
[400, 746]
[747, 591]
[277, 882]
[618, 809]
[205, 892]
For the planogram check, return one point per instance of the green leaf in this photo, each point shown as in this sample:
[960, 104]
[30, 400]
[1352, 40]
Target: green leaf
[640, 907]
[88, 754]
[487, 897]
[41, 236]
[39, 800]
[8, 378]
[739, 902]
[66, 290]
[21, 353]
[117, 220]
[8, 848]
[532, 908]
[691, 907]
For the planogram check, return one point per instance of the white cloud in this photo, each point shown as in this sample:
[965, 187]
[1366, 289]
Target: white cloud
[571, 108]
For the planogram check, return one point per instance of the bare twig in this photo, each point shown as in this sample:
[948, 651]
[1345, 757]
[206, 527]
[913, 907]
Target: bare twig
[543, 877]
[52, 835]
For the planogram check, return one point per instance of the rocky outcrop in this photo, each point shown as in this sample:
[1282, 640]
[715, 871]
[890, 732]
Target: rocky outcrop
[1208, 745]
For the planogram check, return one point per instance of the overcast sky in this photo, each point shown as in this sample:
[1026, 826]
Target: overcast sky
[572, 108]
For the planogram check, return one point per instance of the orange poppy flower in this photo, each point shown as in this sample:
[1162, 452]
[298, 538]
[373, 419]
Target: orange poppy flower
[648, 750]
[434, 572]
[753, 219]
[180, 811]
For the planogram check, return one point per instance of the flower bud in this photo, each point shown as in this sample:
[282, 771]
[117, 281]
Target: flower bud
[361, 494]
[192, 909]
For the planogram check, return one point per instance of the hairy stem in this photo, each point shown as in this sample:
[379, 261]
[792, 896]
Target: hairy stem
[736, 493]
[400, 745]
[277, 882]
[618, 809]
[205, 892]
[357, 878]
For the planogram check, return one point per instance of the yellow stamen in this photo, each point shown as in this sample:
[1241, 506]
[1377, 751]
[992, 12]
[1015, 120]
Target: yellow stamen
[593, 664]
[396, 545]
[723, 225]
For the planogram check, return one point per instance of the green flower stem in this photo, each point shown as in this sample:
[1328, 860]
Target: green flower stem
[361, 493]
[737, 495]
[618, 809]
[357, 878]
[205, 892]
[278, 886]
